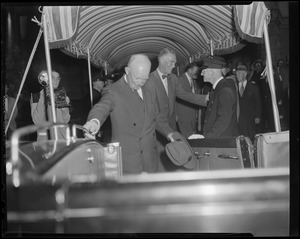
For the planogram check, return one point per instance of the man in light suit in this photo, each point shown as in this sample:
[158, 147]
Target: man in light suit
[131, 104]
[187, 112]
[167, 88]
[250, 103]
[221, 113]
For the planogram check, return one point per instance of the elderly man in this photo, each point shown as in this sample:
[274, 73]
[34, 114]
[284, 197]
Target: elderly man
[131, 104]
[167, 89]
[250, 103]
[221, 113]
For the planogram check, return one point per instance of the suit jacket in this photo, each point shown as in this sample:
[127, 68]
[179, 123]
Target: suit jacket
[221, 113]
[166, 103]
[250, 108]
[133, 124]
[186, 112]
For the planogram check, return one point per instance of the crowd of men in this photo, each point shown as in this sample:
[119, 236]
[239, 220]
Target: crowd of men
[147, 110]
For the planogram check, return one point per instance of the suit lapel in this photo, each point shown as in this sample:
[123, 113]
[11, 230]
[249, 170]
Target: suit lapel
[186, 83]
[134, 100]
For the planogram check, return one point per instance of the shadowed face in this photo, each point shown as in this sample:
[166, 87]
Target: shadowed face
[211, 75]
[55, 79]
[241, 75]
[193, 72]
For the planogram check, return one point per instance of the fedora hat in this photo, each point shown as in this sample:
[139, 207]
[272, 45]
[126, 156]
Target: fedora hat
[180, 152]
[242, 67]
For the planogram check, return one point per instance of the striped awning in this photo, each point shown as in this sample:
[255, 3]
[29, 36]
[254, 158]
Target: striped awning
[113, 33]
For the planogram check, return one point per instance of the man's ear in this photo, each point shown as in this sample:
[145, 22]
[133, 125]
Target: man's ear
[127, 70]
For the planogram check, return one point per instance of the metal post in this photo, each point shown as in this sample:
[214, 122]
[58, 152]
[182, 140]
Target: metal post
[90, 76]
[24, 77]
[211, 48]
[271, 78]
[49, 69]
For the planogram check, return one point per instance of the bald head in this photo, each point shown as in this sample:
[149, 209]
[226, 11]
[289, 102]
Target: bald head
[138, 61]
[138, 70]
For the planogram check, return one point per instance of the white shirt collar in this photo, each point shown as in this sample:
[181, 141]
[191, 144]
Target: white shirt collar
[139, 91]
[160, 74]
[189, 78]
[215, 84]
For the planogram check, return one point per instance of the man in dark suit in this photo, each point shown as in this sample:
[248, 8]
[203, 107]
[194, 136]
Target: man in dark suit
[167, 88]
[250, 103]
[131, 104]
[187, 112]
[221, 113]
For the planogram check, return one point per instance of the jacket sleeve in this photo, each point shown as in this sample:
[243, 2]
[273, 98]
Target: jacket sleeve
[188, 96]
[102, 109]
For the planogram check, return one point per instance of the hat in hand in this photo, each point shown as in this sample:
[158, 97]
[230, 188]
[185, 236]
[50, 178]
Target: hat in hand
[180, 152]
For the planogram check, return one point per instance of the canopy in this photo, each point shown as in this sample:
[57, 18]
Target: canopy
[113, 33]
[108, 35]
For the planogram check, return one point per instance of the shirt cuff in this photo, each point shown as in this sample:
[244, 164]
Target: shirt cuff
[94, 119]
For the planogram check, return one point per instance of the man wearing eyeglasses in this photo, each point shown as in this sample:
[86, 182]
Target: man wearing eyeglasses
[41, 105]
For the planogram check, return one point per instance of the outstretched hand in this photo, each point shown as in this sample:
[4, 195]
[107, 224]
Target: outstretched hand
[93, 127]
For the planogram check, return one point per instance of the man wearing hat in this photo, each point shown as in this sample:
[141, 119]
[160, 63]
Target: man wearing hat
[249, 101]
[221, 113]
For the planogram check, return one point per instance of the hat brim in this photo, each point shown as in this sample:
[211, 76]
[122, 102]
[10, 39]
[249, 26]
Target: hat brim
[190, 164]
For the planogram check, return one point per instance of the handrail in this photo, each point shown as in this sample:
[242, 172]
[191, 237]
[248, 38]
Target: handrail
[76, 126]
[16, 135]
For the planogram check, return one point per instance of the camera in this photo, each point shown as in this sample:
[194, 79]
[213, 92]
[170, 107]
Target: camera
[43, 79]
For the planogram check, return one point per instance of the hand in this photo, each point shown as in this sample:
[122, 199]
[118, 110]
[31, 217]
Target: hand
[93, 127]
[207, 98]
[175, 136]
[257, 120]
[67, 100]
[98, 85]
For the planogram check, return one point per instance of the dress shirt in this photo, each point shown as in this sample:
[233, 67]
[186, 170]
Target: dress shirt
[139, 91]
[164, 81]
[243, 83]
[191, 82]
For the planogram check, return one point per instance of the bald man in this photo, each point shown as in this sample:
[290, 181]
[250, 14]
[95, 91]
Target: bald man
[133, 110]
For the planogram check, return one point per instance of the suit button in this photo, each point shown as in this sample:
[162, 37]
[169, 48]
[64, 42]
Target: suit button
[154, 120]
[134, 124]
[141, 151]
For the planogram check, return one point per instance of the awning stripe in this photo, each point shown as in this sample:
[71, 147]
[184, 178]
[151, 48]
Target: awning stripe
[112, 32]
[249, 20]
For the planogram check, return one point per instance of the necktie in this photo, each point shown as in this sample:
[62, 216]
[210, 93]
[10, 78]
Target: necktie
[192, 86]
[165, 82]
[242, 89]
